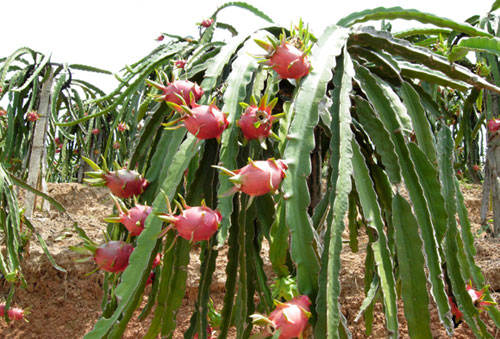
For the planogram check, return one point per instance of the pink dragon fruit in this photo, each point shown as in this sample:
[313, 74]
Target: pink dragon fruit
[32, 116]
[178, 92]
[290, 318]
[133, 219]
[256, 122]
[206, 122]
[258, 177]
[180, 63]
[289, 62]
[207, 23]
[113, 256]
[156, 262]
[13, 313]
[122, 127]
[288, 56]
[210, 333]
[478, 297]
[493, 125]
[193, 223]
[203, 121]
[456, 314]
[123, 183]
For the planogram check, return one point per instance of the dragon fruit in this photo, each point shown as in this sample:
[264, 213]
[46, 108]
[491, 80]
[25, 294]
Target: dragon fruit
[207, 23]
[256, 122]
[123, 183]
[456, 314]
[258, 177]
[288, 56]
[210, 333]
[203, 121]
[133, 219]
[178, 92]
[122, 127]
[113, 256]
[289, 62]
[478, 297]
[193, 223]
[180, 63]
[32, 116]
[493, 125]
[290, 318]
[13, 313]
[156, 262]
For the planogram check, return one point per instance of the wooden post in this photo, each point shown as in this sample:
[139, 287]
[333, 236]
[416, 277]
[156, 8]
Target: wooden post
[39, 133]
[491, 185]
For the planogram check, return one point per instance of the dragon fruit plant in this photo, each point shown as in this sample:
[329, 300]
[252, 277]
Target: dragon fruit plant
[356, 128]
[122, 182]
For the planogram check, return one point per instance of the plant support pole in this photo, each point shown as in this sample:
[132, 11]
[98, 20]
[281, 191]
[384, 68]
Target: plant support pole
[38, 143]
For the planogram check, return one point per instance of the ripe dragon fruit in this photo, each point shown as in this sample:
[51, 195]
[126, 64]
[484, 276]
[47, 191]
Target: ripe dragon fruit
[13, 313]
[258, 177]
[207, 23]
[113, 256]
[203, 121]
[256, 122]
[457, 316]
[493, 125]
[478, 297]
[133, 219]
[289, 62]
[32, 116]
[290, 318]
[193, 223]
[156, 262]
[179, 92]
[123, 183]
[122, 127]
[210, 333]
[180, 63]
[288, 57]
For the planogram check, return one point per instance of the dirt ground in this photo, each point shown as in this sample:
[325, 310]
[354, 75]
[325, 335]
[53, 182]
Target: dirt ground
[66, 305]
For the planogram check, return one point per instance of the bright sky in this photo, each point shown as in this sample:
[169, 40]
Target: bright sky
[110, 33]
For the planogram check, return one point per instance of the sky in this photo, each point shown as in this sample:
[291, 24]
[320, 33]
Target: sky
[110, 34]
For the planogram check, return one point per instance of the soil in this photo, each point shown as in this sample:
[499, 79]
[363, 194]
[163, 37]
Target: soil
[67, 305]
